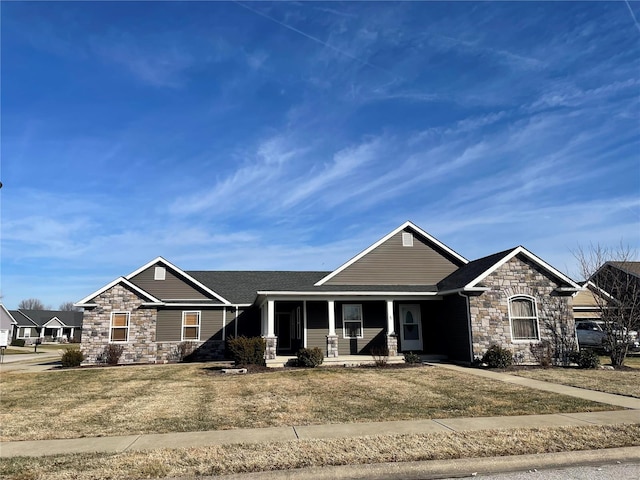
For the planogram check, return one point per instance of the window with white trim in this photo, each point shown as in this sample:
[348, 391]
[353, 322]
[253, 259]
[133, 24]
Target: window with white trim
[352, 321]
[191, 326]
[160, 273]
[119, 331]
[523, 316]
[26, 332]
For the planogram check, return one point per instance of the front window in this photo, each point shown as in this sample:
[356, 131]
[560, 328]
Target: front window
[524, 319]
[119, 327]
[27, 333]
[352, 321]
[190, 325]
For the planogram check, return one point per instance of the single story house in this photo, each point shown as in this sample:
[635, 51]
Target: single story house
[406, 292]
[7, 326]
[47, 325]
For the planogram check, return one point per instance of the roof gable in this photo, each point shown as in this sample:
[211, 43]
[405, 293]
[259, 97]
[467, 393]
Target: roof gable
[470, 276]
[7, 315]
[86, 301]
[389, 261]
[178, 284]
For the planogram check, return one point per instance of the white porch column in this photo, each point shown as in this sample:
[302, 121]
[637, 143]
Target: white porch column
[390, 323]
[332, 338]
[271, 316]
[332, 317]
[304, 322]
[42, 329]
[71, 337]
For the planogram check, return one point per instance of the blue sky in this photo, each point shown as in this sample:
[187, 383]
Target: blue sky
[294, 135]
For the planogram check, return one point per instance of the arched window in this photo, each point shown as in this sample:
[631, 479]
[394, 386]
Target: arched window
[523, 316]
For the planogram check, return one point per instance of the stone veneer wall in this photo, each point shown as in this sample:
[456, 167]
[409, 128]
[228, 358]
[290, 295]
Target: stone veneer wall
[490, 312]
[141, 347]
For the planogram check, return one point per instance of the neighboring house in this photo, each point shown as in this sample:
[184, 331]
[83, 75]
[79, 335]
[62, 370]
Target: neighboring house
[47, 325]
[406, 292]
[612, 282]
[587, 302]
[7, 326]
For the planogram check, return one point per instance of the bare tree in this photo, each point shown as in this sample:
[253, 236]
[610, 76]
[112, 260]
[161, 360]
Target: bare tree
[562, 334]
[67, 307]
[31, 304]
[613, 278]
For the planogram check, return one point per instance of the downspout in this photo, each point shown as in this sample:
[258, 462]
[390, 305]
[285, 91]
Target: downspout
[466, 298]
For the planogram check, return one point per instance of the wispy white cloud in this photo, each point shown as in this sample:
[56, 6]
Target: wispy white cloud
[158, 63]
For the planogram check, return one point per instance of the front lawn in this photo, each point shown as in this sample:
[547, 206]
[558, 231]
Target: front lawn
[190, 397]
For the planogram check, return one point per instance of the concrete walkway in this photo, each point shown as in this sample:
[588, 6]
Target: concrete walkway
[594, 396]
[280, 434]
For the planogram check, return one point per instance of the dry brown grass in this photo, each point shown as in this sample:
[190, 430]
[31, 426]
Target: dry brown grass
[218, 460]
[188, 397]
[621, 382]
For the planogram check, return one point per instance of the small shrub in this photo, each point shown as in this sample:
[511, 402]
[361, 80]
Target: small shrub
[498, 357]
[412, 358]
[380, 356]
[247, 350]
[587, 359]
[72, 357]
[18, 342]
[310, 357]
[518, 358]
[112, 354]
[542, 352]
[184, 351]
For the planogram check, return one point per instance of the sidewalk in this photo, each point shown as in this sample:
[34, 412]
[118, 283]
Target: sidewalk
[125, 443]
[292, 433]
[592, 395]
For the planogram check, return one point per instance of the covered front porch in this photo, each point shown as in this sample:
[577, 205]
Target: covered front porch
[351, 326]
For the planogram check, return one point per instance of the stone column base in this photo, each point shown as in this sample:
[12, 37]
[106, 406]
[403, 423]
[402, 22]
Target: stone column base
[270, 349]
[392, 345]
[332, 346]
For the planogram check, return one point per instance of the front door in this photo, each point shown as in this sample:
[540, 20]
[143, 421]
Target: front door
[283, 330]
[410, 328]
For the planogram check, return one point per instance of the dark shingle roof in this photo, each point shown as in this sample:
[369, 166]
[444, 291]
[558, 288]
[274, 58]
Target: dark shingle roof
[471, 270]
[21, 320]
[40, 317]
[242, 286]
[630, 267]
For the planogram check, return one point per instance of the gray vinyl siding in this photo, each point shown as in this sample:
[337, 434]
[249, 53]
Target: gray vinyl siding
[211, 324]
[317, 325]
[374, 315]
[169, 325]
[457, 328]
[172, 287]
[392, 264]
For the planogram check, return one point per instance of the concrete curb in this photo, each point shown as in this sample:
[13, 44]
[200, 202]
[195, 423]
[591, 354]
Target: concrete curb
[434, 469]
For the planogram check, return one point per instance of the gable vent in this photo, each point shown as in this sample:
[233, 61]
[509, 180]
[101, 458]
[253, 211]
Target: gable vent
[407, 239]
[160, 273]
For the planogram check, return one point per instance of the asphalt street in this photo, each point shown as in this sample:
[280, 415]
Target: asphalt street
[618, 471]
